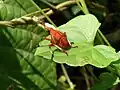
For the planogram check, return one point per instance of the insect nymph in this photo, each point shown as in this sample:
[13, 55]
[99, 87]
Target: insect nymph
[58, 38]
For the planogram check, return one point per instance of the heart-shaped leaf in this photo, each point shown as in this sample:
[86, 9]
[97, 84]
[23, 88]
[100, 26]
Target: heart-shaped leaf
[99, 56]
[81, 29]
[107, 81]
[82, 32]
[115, 66]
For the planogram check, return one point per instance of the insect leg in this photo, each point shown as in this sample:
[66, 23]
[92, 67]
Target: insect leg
[73, 46]
[61, 49]
[51, 44]
[48, 39]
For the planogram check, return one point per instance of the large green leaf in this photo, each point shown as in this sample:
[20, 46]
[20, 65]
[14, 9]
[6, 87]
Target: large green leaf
[81, 29]
[99, 56]
[10, 9]
[107, 81]
[19, 66]
[29, 70]
[82, 32]
[115, 66]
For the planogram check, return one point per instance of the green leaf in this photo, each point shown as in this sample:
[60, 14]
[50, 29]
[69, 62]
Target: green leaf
[29, 70]
[106, 82]
[115, 66]
[81, 29]
[119, 54]
[10, 9]
[75, 9]
[19, 66]
[99, 56]
[82, 32]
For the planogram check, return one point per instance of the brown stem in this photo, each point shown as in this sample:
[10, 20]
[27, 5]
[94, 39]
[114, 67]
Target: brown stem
[60, 7]
[29, 20]
[84, 72]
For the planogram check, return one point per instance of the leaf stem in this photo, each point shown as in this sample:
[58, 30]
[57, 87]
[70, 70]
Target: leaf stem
[62, 66]
[84, 72]
[85, 10]
[60, 7]
[90, 70]
[77, 2]
[36, 12]
[19, 21]
[103, 37]
[100, 39]
[48, 4]
[67, 77]
[47, 17]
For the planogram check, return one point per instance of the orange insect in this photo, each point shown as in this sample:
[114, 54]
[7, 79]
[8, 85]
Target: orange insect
[58, 39]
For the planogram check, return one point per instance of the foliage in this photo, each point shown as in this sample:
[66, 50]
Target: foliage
[107, 80]
[18, 65]
[83, 37]
[28, 63]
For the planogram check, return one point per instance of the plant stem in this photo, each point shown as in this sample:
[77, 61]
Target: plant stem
[84, 6]
[77, 2]
[83, 70]
[47, 17]
[18, 21]
[85, 10]
[67, 77]
[103, 37]
[36, 12]
[62, 66]
[100, 39]
[48, 4]
[60, 7]
[90, 70]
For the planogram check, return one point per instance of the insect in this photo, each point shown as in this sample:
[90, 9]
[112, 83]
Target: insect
[58, 38]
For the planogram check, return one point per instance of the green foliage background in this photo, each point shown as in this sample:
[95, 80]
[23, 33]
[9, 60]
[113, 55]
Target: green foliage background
[25, 66]
[18, 65]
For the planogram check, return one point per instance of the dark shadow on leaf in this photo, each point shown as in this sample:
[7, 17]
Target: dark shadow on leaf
[10, 66]
[35, 71]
